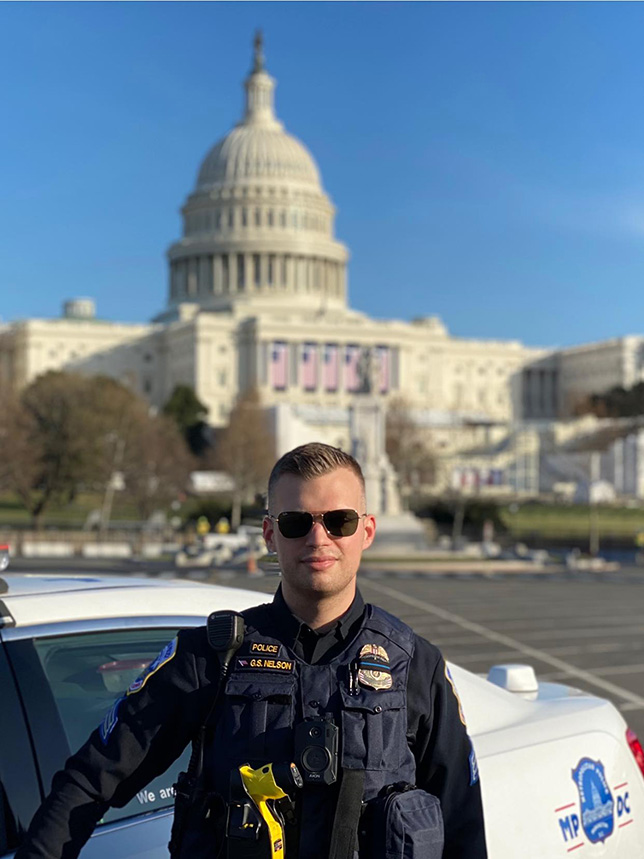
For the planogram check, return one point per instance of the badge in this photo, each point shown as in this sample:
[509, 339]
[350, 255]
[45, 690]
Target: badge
[595, 800]
[374, 671]
[165, 656]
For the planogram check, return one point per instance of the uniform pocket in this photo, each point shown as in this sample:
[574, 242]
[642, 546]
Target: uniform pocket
[259, 715]
[374, 729]
[414, 826]
[403, 825]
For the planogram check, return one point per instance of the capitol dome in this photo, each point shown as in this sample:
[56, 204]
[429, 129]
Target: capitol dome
[254, 151]
[258, 224]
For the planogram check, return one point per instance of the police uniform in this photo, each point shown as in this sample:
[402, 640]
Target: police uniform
[386, 688]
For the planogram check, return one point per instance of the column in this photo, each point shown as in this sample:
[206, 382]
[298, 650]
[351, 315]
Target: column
[205, 271]
[211, 272]
[217, 275]
[192, 276]
[250, 274]
[232, 272]
[261, 371]
[225, 273]
[263, 271]
[290, 273]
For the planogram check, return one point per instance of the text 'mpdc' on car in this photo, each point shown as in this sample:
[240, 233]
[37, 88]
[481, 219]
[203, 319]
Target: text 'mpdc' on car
[561, 773]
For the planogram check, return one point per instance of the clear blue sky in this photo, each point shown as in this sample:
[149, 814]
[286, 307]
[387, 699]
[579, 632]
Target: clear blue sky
[486, 159]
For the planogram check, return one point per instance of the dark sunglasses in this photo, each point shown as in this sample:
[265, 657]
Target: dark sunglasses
[337, 523]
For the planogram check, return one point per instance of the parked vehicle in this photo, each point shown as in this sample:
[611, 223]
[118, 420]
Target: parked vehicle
[559, 769]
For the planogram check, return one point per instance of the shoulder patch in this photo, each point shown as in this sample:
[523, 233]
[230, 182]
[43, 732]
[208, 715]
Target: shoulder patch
[474, 765]
[450, 680]
[162, 659]
[109, 722]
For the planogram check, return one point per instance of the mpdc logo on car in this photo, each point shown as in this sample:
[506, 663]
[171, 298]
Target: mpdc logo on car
[598, 810]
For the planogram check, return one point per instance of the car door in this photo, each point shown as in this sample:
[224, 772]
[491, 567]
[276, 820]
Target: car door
[68, 676]
[19, 785]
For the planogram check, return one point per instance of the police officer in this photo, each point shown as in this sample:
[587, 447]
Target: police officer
[364, 707]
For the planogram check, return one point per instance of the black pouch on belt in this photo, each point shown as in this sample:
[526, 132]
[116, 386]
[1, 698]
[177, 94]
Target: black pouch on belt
[404, 823]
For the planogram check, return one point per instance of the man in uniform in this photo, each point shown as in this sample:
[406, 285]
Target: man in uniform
[316, 662]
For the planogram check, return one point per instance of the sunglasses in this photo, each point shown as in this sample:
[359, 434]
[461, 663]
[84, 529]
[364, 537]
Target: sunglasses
[337, 523]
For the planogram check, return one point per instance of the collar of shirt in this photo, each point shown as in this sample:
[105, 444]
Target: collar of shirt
[310, 644]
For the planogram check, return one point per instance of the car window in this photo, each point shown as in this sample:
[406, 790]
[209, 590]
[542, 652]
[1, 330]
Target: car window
[19, 789]
[86, 674]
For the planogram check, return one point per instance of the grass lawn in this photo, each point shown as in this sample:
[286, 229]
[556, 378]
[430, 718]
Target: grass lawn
[12, 513]
[572, 520]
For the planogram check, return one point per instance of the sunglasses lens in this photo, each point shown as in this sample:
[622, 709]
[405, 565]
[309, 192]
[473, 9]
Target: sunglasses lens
[294, 524]
[341, 523]
[338, 523]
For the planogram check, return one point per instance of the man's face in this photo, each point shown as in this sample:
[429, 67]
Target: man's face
[319, 565]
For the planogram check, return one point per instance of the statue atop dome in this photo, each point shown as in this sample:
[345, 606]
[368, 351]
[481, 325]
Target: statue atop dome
[258, 56]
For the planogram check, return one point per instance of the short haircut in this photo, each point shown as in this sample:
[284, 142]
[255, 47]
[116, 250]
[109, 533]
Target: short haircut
[313, 460]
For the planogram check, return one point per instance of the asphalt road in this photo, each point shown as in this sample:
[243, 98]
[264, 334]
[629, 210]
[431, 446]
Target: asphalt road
[586, 630]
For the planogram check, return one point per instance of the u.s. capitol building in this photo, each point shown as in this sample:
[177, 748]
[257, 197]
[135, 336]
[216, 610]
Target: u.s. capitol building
[257, 297]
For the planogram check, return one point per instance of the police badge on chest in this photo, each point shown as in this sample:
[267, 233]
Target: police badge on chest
[371, 670]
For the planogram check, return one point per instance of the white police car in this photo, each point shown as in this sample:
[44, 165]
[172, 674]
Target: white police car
[559, 772]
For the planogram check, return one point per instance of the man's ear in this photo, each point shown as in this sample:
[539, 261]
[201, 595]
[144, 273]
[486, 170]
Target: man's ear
[369, 531]
[268, 531]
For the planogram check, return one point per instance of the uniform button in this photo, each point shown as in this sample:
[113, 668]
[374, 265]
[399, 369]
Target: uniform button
[314, 703]
[257, 696]
[378, 708]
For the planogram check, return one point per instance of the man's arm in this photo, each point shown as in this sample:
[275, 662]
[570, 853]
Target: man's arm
[143, 733]
[445, 761]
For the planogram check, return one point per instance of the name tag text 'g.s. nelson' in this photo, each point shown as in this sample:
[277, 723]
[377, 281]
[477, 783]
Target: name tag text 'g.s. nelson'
[264, 663]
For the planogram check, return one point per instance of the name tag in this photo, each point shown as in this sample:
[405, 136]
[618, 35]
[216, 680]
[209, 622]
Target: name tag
[265, 663]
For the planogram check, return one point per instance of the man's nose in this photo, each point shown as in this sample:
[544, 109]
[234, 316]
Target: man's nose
[318, 534]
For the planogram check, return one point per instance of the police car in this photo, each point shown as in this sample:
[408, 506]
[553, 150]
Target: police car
[560, 772]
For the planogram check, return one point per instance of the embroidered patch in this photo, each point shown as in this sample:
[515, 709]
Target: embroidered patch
[450, 679]
[474, 766]
[374, 671]
[164, 657]
[264, 663]
[264, 647]
[109, 722]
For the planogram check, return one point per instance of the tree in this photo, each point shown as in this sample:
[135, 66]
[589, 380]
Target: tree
[245, 450]
[408, 448]
[155, 462]
[189, 413]
[618, 402]
[47, 448]
[65, 432]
